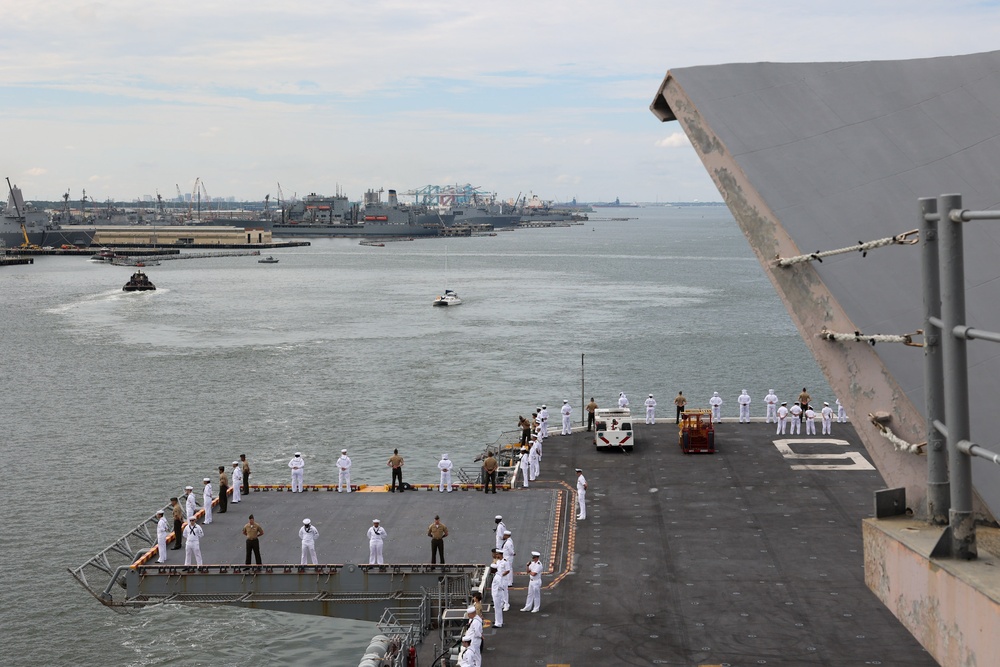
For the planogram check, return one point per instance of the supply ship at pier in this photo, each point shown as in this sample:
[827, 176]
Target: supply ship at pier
[318, 215]
[21, 223]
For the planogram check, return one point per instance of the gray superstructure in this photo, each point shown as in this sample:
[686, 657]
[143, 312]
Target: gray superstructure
[319, 215]
[20, 218]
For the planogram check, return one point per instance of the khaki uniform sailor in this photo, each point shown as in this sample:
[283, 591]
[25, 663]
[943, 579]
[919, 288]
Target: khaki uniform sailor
[162, 530]
[297, 464]
[437, 531]
[245, 465]
[308, 535]
[344, 472]
[680, 402]
[178, 516]
[395, 463]
[223, 490]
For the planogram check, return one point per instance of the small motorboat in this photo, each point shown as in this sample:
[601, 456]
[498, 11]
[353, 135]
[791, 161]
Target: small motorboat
[449, 298]
[139, 282]
[268, 260]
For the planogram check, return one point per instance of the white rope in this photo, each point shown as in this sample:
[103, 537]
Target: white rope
[858, 337]
[863, 248]
[898, 443]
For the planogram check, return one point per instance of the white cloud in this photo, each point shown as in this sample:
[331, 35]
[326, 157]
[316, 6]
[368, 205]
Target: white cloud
[36, 171]
[673, 140]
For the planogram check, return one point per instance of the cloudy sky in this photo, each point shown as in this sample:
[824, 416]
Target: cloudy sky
[128, 98]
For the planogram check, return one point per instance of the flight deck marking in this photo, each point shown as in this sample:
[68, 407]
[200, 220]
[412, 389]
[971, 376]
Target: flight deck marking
[858, 461]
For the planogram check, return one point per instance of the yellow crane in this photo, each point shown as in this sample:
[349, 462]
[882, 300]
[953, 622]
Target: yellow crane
[27, 245]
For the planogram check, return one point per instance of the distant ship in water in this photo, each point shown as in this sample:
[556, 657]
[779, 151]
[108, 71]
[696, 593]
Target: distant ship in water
[318, 215]
[22, 224]
[614, 204]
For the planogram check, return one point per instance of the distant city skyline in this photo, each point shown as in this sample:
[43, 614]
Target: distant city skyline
[545, 97]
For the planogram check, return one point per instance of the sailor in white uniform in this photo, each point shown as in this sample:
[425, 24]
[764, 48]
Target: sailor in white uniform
[524, 464]
[827, 413]
[499, 590]
[782, 419]
[534, 602]
[237, 482]
[622, 400]
[533, 461]
[501, 527]
[297, 464]
[581, 494]
[192, 542]
[445, 466]
[375, 536]
[795, 414]
[716, 403]
[191, 505]
[508, 554]
[744, 401]
[474, 655]
[162, 530]
[841, 413]
[543, 423]
[810, 421]
[308, 535]
[344, 472]
[567, 424]
[207, 499]
[650, 410]
[771, 401]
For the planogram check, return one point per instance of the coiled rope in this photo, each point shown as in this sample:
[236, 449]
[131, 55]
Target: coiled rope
[858, 337]
[898, 443]
[863, 248]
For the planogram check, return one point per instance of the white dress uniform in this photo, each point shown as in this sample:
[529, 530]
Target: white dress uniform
[308, 535]
[344, 472]
[796, 413]
[501, 527]
[581, 495]
[771, 401]
[622, 400]
[841, 413]
[543, 422]
[716, 403]
[498, 589]
[567, 424]
[162, 530]
[207, 501]
[533, 461]
[782, 419]
[375, 536]
[192, 543]
[827, 413]
[445, 466]
[534, 602]
[650, 410]
[191, 506]
[810, 422]
[297, 464]
[744, 401]
[508, 554]
[474, 655]
[237, 481]
[525, 466]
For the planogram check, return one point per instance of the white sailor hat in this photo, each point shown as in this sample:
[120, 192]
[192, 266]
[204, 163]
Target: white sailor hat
[536, 554]
[784, 403]
[343, 451]
[471, 609]
[507, 532]
[825, 403]
[565, 401]
[206, 480]
[493, 566]
[375, 521]
[236, 463]
[188, 488]
[543, 407]
[298, 453]
[444, 456]
[579, 469]
[498, 517]
[159, 511]
[305, 521]
[468, 637]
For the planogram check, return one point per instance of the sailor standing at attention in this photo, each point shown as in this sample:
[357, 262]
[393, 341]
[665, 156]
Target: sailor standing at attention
[474, 656]
[162, 529]
[445, 466]
[395, 463]
[501, 529]
[192, 542]
[237, 482]
[308, 535]
[590, 414]
[650, 410]
[744, 401]
[543, 422]
[581, 494]
[841, 413]
[178, 516]
[498, 589]
[716, 403]
[297, 464]
[567, 425]
[782, 419]
[680, 402]
[437, 531]
[223, 489]
[207, 499]
[533, 460]
[771, 401]
[245, 465]
[375, 536]
[827, 413]
[191, 504]
[534, 567]
[524, 464]
[508, 554]
[795, 415]
[810, 421]
[344, 472]
[804, 399]
[622, 400]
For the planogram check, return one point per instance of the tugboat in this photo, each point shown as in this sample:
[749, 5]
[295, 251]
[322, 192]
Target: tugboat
[139, 282]
[268, 260]
[449, 298]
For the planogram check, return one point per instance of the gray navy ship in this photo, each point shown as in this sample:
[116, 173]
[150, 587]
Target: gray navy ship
[319, 215]
[22, 223]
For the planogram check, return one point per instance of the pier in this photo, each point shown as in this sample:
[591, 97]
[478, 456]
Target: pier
[751, 555]
[13, 260]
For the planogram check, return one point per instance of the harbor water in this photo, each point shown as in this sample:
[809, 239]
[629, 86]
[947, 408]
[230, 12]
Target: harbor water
[111, 402]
